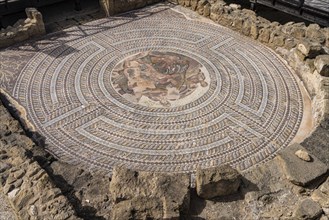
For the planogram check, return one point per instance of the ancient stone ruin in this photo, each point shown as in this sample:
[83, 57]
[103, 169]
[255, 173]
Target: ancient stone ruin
[22, 30]
[189, 109]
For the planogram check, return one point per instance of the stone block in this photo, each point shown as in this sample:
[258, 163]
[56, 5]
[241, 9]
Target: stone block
[246, 28]
[206, 10]
[290, 43]
[277, 39]
[322, 65]
[254, 30]
[216, 10]
[201, 5]
[286, 28]
[309, 49]
[237, 23]
[313, 33]
[173, 190]
[307, 209]
[321, 198]
[194, 5]
[214, 17]
[226, 20]
[138, 208]
[295, 58]
[217, 181]
[23, 29]
[298, 171]
[264, 35]
[298, 30]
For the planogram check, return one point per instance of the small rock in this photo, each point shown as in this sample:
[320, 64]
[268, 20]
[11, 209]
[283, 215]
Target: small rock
[322, 65]
[4, 167]
[321, 198]
[325, 187]
[290, 43]
[235, 6]
[33, 211]
[303, 155]
[13, 193]
[217, 181]
[10, 34]
[308, 209]
[326, 211]
[321, 195]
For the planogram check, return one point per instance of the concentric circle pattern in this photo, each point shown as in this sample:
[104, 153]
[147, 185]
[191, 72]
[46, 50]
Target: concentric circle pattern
[236, 102]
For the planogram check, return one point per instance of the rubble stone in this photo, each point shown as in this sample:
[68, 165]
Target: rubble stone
[308, 209]
[322, 65]
[303, 155]
[132, 189]
[23, 29]
[309, 49]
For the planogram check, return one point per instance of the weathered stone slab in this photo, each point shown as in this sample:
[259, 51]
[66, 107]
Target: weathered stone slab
[298, 171]
[167, 194]
[307, 209]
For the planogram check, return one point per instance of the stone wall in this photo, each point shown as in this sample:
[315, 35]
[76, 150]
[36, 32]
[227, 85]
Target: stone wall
[35, 182]
[305, 48]
[27, 186]
[112, 7]
[22, 30]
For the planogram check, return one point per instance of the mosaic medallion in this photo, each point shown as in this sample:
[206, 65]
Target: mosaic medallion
[160, 79]
[160, 93]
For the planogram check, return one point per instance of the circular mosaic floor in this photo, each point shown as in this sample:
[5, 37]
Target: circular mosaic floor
[162, 94]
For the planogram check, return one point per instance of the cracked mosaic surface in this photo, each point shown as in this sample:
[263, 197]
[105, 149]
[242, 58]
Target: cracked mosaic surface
[241, 104]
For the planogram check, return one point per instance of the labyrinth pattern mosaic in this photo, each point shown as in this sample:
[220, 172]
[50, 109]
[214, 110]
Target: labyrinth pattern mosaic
[161, 94]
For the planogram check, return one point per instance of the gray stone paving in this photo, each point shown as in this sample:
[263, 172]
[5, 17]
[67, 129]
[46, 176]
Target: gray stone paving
[251, 108]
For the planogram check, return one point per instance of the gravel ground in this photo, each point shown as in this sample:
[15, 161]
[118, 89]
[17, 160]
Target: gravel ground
[6, 211]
